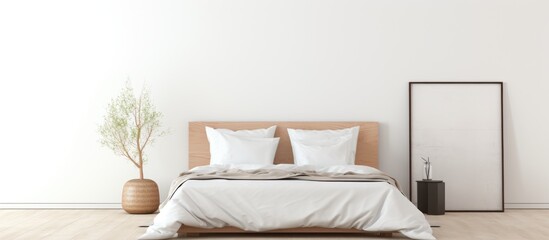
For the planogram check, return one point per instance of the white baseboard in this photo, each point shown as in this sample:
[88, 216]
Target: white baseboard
[526, 205]
[60, 205]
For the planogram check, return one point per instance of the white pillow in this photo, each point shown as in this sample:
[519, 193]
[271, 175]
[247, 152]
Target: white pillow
[260, 133]
[331, 152]
[319, 137]
[218, 146]
[246, 150]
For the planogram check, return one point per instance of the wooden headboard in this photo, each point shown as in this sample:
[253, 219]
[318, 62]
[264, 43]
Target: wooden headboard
[366, 154]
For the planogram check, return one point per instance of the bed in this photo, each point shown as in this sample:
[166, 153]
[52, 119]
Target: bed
[217, 205]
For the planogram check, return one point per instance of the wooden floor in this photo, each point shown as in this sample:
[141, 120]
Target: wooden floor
[115, 224]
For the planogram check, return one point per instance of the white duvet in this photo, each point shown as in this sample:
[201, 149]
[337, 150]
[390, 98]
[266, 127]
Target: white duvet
[261, 205]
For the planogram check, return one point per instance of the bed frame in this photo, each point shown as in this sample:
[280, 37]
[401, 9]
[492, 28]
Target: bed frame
[199, 155]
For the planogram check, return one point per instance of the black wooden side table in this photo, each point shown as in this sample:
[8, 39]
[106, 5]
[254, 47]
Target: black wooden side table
[430, 197]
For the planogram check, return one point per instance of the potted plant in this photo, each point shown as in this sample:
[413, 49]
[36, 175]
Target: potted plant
[131, 124]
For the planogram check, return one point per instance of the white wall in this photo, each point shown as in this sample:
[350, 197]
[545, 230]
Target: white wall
[62, 61]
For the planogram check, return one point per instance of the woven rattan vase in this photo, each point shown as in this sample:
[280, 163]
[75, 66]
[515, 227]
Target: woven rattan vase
[140, 196]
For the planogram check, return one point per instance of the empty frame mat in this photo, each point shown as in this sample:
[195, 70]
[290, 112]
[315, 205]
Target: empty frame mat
[459, 126]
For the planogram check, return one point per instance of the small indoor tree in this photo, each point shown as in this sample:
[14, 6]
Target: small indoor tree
[130, 125]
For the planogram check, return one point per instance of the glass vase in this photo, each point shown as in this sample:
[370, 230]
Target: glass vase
[427, 171]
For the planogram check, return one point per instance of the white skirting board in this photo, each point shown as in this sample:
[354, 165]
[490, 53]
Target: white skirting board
[60, 206]
[526, 205]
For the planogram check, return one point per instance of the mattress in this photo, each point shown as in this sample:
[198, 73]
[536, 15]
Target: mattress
[262, 205]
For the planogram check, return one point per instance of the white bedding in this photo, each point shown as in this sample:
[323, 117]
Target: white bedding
[261, 205]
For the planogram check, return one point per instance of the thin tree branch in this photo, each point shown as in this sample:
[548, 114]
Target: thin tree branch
[139, 105]
[139, 125]
[124, 149]
[147, 139]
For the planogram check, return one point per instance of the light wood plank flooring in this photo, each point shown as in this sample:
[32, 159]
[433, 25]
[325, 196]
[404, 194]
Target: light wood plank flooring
[116, 224]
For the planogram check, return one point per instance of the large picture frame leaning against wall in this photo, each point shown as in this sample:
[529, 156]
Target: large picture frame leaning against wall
[458, 126]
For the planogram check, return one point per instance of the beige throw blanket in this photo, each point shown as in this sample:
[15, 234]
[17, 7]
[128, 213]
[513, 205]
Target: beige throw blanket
[276, 174]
